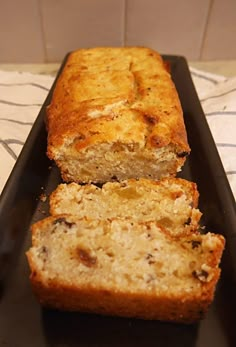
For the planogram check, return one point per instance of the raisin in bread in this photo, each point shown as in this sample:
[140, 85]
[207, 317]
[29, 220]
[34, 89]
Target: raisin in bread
[172, 202]
[123, 268]
[115, 114]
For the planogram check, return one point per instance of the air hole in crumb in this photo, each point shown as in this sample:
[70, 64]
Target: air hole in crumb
[201, 275]
[195, 244]
[151, 262]
[149, 256]
[188, 221]
[62, 220]
[43, 250]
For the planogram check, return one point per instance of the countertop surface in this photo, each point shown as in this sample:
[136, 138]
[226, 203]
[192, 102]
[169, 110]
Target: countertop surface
[226, 68]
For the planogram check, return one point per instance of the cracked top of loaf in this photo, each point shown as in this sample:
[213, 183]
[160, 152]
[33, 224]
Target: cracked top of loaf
[123, 97]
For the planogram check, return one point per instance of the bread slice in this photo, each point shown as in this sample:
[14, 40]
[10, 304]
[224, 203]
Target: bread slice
[123, 268]
[172, 202]
[115, 114]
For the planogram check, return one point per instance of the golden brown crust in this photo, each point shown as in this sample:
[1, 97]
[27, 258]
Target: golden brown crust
[61, 290]
[94, 300]
[115, 95]
[79, 91]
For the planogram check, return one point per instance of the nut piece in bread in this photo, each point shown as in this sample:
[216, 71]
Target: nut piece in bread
[115, 114]
[123, 268]
[171, 202]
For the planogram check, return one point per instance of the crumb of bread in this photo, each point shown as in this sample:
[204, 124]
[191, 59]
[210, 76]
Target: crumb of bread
[172, 202]
[124, 268]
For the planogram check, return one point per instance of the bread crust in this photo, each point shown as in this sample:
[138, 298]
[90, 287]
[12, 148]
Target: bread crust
[72, 294]
[124, 304]
[123, 97]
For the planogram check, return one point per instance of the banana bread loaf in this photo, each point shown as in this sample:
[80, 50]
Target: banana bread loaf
[123, 268]
[172, 202]
[115, 114]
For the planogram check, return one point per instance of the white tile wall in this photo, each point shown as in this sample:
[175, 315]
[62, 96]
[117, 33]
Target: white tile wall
[45, 30]
[70, 24]
[220, 38]
[21, 37]
[175, 27]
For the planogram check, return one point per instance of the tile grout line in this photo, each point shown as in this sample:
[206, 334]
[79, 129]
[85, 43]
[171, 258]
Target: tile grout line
[42, 30]
[125, 22]
[205, 29]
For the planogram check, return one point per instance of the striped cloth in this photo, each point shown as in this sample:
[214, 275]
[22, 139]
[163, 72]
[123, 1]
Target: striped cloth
[22, 94]
[217, 95]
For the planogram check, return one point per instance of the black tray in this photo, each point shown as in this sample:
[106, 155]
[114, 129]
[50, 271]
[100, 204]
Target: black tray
[24, 323]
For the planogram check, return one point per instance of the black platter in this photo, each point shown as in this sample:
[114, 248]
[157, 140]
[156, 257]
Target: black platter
[24, 323]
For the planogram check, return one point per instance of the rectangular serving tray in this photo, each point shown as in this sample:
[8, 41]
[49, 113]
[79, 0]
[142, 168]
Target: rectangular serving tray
[23, 322]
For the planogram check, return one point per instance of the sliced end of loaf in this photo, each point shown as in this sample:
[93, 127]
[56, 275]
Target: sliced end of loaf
[123, 268]
[107, 162]
[171, 202]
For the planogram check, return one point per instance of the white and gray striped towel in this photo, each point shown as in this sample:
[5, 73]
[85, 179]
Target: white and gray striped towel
[22, 94]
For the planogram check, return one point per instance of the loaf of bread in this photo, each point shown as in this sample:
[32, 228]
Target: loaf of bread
[172, 202]
[123, 268]
[115, 114]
